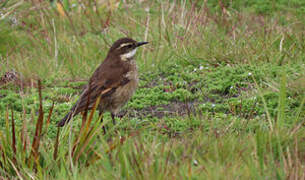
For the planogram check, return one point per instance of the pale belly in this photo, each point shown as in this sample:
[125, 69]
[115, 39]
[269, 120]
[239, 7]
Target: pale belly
[123, 94]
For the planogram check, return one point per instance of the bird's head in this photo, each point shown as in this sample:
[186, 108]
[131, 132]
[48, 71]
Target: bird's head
[125, 48]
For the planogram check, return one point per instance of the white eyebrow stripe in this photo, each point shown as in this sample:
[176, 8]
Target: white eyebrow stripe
[124, 44]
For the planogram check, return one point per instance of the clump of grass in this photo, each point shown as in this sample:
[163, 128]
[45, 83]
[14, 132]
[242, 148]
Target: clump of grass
[139, 153]
[18, 155]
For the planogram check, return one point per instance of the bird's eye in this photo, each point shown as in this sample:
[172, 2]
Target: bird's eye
[129, 46]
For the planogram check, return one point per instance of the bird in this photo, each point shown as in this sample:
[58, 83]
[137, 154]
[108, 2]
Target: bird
[114, 81]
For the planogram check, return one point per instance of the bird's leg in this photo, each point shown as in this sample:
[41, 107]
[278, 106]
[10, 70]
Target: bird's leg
[113, 118]
[121, 114]
[101, 115]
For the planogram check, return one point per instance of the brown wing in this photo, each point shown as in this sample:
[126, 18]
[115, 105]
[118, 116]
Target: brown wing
[104, 81]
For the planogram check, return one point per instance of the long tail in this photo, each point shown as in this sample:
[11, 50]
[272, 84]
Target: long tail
[65, 120]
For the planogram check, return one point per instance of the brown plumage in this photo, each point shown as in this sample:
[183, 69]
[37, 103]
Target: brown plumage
[115, 81]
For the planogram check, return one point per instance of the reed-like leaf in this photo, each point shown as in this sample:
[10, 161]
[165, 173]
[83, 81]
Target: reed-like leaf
[37, 136]
[49, 118]
[56, 144]
[85, 134]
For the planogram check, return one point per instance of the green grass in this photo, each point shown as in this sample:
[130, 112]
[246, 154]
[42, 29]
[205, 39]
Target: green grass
[221, 92]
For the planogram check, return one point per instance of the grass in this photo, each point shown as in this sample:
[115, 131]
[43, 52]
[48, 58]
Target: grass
[221, 90]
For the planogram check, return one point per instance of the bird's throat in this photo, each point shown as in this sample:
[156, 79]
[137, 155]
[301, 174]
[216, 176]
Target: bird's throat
[128, 55]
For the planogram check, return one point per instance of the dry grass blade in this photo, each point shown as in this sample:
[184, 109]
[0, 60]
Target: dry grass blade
[56, 144]
[49, 117]
[96, 156]
[37, 136]
[16, 170]
[7, 124]
[89, 136]
[88, 122]
[13, 139]
[23, 132]
[84, 118]
[85, 137]
[60, 9]
[13, 134]
[1, 150]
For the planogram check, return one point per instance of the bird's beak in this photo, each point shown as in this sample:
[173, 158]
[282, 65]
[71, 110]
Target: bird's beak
[141, 43]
